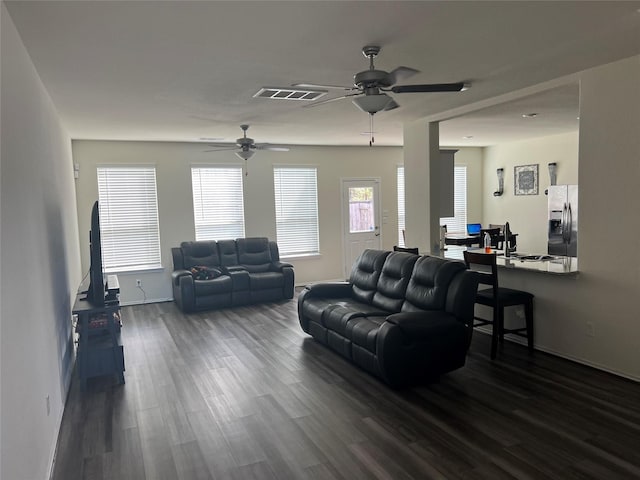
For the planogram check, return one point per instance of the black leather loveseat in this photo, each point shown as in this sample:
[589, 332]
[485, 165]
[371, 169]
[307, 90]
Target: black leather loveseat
[404, 318]
[245, 270]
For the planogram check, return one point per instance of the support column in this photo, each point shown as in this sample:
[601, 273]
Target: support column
[428, 185]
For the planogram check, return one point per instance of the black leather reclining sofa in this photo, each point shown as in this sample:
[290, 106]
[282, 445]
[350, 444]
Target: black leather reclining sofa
[404, 318]
[248, 270]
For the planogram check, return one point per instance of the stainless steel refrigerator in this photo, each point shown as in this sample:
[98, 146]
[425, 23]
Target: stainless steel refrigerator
[563, 220]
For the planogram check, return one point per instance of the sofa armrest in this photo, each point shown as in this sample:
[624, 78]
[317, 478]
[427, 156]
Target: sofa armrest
[234, 268]
[184, 290]
[414, 347]
[278, 266]
[422, 324]
[176, 274]
[328, 290]
[239, 279]
[289, 280]
[461, 296]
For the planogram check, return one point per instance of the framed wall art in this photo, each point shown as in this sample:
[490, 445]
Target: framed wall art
[525, 179]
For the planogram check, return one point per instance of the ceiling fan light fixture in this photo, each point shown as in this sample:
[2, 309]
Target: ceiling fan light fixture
[245, 154]
[372, 103]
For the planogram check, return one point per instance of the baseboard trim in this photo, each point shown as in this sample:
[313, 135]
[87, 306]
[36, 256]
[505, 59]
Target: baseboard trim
[67, 381]
[147, 302]
[555, 353]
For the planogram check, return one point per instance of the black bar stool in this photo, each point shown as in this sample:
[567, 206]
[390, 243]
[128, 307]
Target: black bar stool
[484, 264]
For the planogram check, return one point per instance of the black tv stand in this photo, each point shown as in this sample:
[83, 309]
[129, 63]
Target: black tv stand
[100, 350]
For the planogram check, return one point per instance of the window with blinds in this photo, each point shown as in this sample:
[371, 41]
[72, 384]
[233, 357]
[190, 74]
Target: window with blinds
[458, 223]
[296, 202]
[129, 232]
[218, 202]
[401, 214]
[455, 224]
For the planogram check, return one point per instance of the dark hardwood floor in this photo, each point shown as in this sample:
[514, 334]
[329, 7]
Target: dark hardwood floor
[243, 393]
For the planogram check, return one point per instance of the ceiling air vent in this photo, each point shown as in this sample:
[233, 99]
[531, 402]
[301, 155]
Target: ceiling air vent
[289, 93]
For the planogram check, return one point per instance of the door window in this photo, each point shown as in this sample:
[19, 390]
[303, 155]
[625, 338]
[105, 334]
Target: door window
[361, 210]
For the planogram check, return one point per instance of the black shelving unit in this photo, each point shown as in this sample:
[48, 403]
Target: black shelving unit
[100, 350]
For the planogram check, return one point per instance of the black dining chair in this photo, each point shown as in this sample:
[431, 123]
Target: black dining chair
[496, 297]
[494, 233]
[406, 249]
[500, 243]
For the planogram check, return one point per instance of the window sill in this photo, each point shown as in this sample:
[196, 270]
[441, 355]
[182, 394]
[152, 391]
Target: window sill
[136, 269]
[306, 256]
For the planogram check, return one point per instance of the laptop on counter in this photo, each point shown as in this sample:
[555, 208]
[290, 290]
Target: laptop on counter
[473, 229]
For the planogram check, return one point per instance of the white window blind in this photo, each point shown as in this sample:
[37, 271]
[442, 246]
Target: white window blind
[401, 211]
[296, 202]
[129, 232]
[455, 224]
[458, 223]
[218, 204]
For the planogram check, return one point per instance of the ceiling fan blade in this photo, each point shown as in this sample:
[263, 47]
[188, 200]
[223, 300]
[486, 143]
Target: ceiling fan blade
[221, 148]
[322, 102]
[315, 85]
[426, 88]
[272, 148]
[400, 74]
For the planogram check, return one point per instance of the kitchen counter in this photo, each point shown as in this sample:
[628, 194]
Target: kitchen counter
[555, 265]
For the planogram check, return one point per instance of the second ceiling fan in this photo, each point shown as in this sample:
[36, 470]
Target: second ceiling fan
[370, 86]
[245, 146]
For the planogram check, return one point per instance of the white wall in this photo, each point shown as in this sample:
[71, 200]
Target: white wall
[173, 162]
[40, 266]
[604, 295]
[527, 214]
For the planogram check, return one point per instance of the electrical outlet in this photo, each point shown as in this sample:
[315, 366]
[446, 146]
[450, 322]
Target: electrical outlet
[591, 329]
[48, 403]
[138, 282]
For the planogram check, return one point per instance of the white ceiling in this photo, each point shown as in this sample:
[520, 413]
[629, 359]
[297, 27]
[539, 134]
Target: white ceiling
[182, 70]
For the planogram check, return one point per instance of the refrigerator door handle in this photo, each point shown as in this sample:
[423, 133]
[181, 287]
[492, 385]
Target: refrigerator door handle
[569, 223]
[564, 223]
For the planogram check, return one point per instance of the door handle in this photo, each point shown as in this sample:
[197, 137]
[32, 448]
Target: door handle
[565, 220]
[569, 223]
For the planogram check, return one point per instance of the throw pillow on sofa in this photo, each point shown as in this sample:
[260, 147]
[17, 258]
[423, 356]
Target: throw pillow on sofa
[200, 272]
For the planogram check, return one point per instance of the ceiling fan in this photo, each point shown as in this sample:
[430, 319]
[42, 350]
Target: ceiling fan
[246, 145]
[369, 86]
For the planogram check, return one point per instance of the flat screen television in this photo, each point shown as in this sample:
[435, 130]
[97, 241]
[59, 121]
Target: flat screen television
[96, 291]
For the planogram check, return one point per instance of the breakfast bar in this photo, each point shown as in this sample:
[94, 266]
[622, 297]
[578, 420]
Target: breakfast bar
[542, 263]
[550, 278]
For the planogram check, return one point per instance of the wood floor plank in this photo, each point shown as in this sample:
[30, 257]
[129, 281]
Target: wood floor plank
[243, 393]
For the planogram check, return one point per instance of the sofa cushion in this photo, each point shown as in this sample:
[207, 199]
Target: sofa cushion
[312, 308]
[338, 316]
[214, 286]
[365, 274]
[254, 254]
[203, 253]
[429, 283]
[393, 281]
[363, 331]
[265, 280]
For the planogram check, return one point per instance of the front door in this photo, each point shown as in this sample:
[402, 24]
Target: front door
[361, 215]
